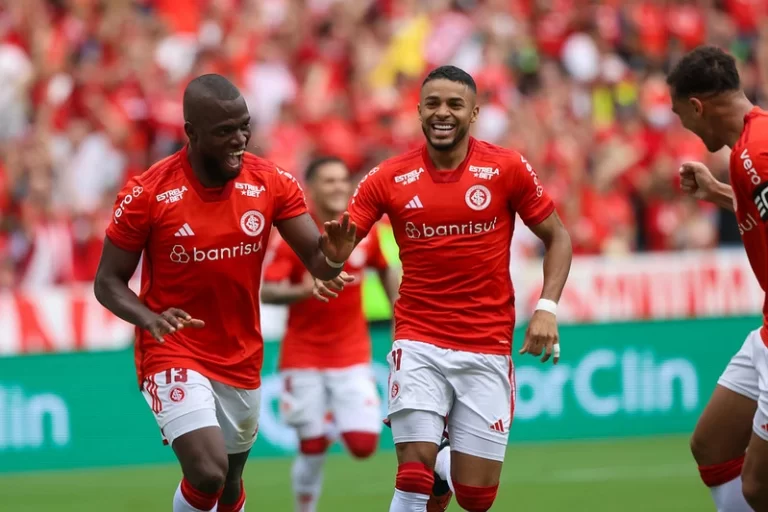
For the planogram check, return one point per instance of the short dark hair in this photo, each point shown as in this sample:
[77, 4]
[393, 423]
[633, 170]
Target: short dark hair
[207, 86]
[453, 74]
[705, 70]
[317, 163]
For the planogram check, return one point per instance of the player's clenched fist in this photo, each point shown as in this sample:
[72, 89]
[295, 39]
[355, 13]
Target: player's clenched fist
[323, 290]
[169, 321]
[696, 180]
[542, 337]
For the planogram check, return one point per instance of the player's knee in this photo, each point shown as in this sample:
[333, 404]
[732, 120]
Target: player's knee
[314, 446]
[475, 499]
[414, 477]
[209, 474]
[700, 448]
[361, 444]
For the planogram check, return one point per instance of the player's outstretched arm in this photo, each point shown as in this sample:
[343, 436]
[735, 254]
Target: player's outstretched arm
[284, 292]
[110, 287]
[323, 255]
[697, 181]
[542, 335]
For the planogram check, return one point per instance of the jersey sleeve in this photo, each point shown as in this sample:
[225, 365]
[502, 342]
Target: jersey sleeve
[282, 264]
[376, 257]
[754, 160]
[289, 196]
[527, 196]
[131, 218]
[367, 204]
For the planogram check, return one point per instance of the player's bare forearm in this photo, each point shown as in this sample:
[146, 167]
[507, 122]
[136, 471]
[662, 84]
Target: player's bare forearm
[390, 279]
[557, 258]
[111, 285]
[723, 196]
[302, 235]
[284, 293]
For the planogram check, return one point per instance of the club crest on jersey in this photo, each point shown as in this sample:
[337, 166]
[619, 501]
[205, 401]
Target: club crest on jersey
[252, 223]
[249, 190]
[410, 177]
[478, 197]
[171, 196]
[484, 173]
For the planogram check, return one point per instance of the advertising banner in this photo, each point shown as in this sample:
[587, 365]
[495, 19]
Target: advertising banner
[83, 409]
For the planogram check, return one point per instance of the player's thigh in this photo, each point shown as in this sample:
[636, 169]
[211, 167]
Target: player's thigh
[725, 426]
[753, 475]
[416, 379]
[354, 399]
[303, 402]
[417, 435]
[185, 410]
[481, 416]
[237, 411]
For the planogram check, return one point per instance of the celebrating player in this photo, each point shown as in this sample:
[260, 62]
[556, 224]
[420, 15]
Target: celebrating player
[707, 96]
[326, 365]
[202, 217]
[452, 204]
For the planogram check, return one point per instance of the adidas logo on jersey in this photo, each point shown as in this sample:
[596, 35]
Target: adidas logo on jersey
[185, 231]
[414, 203]
[498, 426]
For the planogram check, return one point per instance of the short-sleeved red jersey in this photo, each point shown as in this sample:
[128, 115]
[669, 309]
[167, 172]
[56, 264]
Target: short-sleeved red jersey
[749, 179]
[454, 230]
[203, 253]
[326, 335]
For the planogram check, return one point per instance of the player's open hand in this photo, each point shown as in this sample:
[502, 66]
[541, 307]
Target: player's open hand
[542, 337]
[338, 239]
[325, 290]
[170, 321]
[697, 181]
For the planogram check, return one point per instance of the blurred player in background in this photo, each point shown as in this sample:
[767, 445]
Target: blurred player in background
[202, 217]
[707, 96]
[452, 205]
[325, 356]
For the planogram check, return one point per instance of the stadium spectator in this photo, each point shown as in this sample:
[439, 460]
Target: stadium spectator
[90, 94]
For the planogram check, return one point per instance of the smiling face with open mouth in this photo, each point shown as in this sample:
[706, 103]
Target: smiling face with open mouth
[221, 137]
[446, 110]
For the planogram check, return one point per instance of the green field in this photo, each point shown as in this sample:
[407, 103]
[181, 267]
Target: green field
[655, 474]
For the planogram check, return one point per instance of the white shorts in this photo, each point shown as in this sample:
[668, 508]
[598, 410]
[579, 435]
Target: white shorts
[747, 375]
[348, 395]
[184, 400]
[475, 391]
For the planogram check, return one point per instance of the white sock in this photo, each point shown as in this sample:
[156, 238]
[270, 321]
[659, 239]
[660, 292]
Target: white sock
[729, 497]
[180, 504]
[307, 479]
[443, 466]
[408, 502]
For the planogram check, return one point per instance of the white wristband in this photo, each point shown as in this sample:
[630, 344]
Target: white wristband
[547, 305]
[333, 264]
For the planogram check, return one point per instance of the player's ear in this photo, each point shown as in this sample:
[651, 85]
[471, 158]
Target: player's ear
[418, 109]
[189, 130]
[474, 114]
[698, 107]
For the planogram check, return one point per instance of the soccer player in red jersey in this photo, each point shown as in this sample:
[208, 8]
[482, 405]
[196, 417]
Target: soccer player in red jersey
[201, 218]
[326, 365]
[452, 204]
[707, 96]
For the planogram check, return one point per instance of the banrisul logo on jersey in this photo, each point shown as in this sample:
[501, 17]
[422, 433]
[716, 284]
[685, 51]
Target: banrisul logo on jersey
[421, 230]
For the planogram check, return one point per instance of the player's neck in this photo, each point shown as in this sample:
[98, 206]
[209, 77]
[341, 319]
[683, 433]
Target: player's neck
[201, 173]
[733, 120]
[450, 159]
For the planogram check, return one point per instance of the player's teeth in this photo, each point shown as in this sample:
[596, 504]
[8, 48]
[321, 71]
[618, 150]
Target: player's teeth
[238, 153]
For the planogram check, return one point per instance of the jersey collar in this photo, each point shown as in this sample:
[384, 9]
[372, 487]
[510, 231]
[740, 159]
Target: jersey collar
[206, 194]
[447, 176]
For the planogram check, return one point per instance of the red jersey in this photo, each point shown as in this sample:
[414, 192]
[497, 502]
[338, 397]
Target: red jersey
[203, 253]
[454, 230]
[326, 335]
[749, 179]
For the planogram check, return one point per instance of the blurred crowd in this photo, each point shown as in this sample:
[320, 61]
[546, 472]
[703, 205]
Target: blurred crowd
[90, 94]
